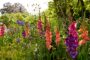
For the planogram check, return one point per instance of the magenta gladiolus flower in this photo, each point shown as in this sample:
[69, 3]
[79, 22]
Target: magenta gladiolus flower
[24, 34]
[39, 25]
[72, 40]
[2, 29]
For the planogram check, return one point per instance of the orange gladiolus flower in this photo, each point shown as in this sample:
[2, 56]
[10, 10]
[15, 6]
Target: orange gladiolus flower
[27, 29]
[57, 37]
[48, 35]
[80, 30]
[84, 35]
[27, 32]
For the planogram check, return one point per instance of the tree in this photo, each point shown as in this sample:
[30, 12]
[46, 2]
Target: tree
[12, 8]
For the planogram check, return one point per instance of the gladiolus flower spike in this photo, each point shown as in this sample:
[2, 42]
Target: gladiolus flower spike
[72, 40]
[2, 30]
[57, 37]
[84, 36]
[48, 36]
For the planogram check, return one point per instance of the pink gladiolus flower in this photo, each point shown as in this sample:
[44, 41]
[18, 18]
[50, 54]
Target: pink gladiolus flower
[2, 29]
[39, 25]
[72, 29]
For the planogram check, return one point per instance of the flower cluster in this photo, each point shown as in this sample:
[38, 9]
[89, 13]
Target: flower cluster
[19, 22]
[26, 31]
[24, 34]
[72, 40]
[2, 30]
[39, 25]
[84, 35]
[48, 35]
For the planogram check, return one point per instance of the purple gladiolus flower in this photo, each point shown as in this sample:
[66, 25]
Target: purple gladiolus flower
[73, 54]
[19, 22]
[72, 40]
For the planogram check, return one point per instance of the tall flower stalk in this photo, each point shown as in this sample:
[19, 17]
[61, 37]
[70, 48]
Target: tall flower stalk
[2, 30]
[48, 35]
[84, 34]
[72, 40]
[39, 25]
[26, 31]
[57, 37]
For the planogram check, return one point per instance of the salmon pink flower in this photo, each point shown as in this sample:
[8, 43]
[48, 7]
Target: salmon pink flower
[84, 34]
[48, 35]
[82, 42]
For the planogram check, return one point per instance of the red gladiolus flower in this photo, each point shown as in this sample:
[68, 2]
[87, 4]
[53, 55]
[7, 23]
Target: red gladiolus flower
[57, 38]
[48, 35]
[2, 29]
